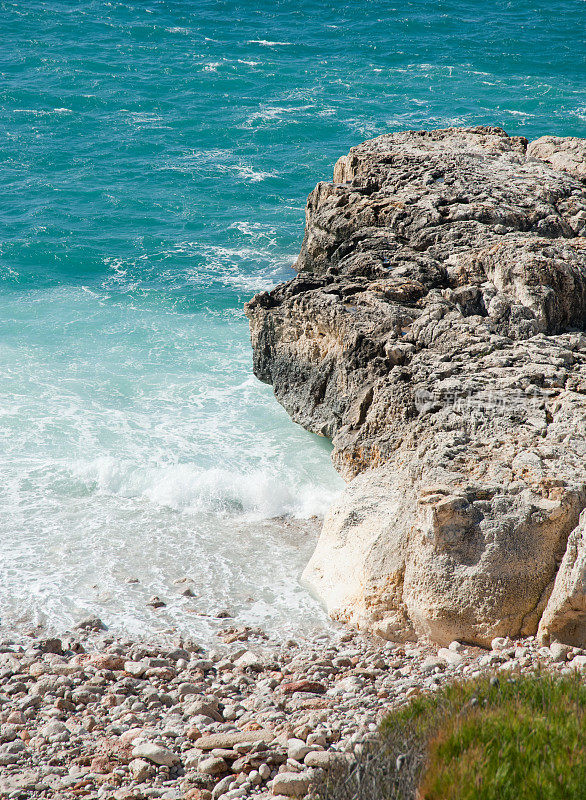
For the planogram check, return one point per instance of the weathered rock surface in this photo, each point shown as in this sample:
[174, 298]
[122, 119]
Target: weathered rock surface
[435, 332]
[567, 153]
[564, 618]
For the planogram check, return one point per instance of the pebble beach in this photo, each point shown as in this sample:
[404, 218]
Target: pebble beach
[93, 716]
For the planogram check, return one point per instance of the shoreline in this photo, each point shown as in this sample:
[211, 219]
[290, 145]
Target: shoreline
[97, 716]
[138, 603]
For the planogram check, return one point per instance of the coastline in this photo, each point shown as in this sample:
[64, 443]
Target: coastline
[97, 715]
[200, 600]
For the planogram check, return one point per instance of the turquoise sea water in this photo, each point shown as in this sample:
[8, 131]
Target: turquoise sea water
[155, 158]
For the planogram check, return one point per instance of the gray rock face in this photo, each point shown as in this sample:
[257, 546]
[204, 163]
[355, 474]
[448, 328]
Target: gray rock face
[435, 332]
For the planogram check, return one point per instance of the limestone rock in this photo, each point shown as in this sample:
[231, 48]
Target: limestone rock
[91, 624]
[567, 153]
[435, 332]
[232, 738]
[249, 660]
[312, 687]
[291, 784]
[559, 651]
[203, 707]
[329, 761]
[136, 668]
[139, 769]
[212, 766]
[450, 657]
[297, 749]
[55, 731]
[155, 753]
[431, 663]
[564, 618]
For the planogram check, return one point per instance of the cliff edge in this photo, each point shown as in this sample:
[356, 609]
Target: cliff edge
[436, 332]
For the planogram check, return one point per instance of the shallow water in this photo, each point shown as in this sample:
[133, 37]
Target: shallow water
[155, 160]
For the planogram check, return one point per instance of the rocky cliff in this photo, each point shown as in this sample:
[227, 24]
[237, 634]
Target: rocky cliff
[435, 331]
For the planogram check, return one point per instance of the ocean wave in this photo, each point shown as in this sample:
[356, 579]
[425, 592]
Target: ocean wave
[254, 263]
[144, 119]
[255, 230]
[251, 175]
[225, 263]
[201, 162]
[515, 113]
[266, 43]
[277, 114]
[42, 112]
[255, 494]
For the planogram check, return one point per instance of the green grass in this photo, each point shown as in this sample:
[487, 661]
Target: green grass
[524, 739]
[515, 738]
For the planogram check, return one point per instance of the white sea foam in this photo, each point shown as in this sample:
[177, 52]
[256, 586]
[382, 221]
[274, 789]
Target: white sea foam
[39, 112]
[251, 175]
[256, 231]
[150, 451]
[266, 43]
[253, 495]
[202, 162]
[225, 264]
[140, 120]
[277, 114]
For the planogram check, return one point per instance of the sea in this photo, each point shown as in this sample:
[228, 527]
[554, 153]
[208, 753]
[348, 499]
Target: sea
[155, 159]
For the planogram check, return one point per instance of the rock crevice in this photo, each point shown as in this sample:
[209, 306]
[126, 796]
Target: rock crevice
[436, 332]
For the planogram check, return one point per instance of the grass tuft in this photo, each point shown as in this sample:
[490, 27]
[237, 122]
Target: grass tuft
[523, 739]
[515, 738]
